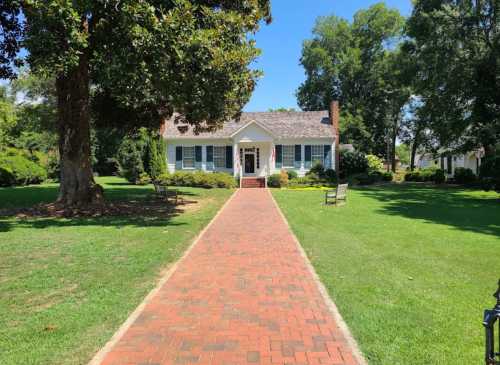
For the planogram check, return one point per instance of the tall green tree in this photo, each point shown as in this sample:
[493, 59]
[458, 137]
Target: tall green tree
[8, 116]
[457, 48]
[146, 58]
[353, 62]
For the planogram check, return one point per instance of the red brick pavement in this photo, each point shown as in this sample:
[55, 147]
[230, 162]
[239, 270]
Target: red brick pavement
[243, 295]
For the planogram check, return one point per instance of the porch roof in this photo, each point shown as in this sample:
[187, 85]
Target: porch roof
[281, 125]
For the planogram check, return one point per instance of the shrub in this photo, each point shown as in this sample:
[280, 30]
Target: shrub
[302, 182]
[426, 175]
[53, 167]
[143, 179]
[331, 175]
[198, 179]
[7, 178]
[374, 163]
[439, 176]
[156, 156]
[490, 173]
[273, 181]
[130, 160]
[317, 170]
[464, 176]
[24, 170]
[283, 178]
[352, 162]
[364, 178]
[387, 176]
[292, 174]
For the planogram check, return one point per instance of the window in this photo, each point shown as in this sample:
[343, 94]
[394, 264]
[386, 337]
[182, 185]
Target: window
[220, 156]
[317, 155]
[188, 157]
[258, 158]
[288, 156]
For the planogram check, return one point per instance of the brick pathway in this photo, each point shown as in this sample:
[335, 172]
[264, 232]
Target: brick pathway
[243, 295]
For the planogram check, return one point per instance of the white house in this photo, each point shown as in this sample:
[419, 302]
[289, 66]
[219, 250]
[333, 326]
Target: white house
[257, 145]
[449, 161]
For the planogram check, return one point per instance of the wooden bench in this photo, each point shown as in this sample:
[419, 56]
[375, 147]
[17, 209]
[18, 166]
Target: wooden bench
[336, 196]
[163, 192]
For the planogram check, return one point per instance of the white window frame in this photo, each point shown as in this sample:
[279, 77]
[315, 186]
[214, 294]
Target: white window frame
[219, 157]
[315, 148]
[192, 151]
[288, 156]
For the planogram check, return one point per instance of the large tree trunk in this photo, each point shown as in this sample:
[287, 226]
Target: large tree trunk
[393, 146]
[77, 187]
[414, 147]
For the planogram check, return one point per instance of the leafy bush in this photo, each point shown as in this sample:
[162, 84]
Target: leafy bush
[130, 160]
[143, 179]
[320, 175]
[7, 177]
[198, 179]
[156, 161]
[24, 170]
[464, 176]
[53, 167]
[283, 178]
[302, 182]
[439, 176]
[426, 175]
[387, 176]
[490, 173]
[374, 163]
[139, 153]
[292, 174]
[352, 163]
[273, 181]
[317, 170]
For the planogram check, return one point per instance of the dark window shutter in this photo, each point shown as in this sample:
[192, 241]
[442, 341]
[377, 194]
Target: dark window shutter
[279, 153]
[210, 153]
[308, 154]
[178, 153]
[298, 153]
[197, 153]
[229, 157]
[326, 150]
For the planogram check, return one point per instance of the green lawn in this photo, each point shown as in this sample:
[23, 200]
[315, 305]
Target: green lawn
[66, 285]
[411, 268]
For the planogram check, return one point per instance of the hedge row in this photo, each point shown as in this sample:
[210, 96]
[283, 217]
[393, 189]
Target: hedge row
[198, 179]
[426, 175]
[17, 169]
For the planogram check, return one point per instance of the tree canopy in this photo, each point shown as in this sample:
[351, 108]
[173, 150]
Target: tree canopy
[456, 48]
[354, 62]
[134, 63]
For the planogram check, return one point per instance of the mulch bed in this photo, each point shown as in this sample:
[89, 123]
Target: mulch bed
[150, 208]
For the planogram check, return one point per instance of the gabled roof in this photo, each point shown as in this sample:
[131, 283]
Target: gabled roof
[281, 125]
[252, 122]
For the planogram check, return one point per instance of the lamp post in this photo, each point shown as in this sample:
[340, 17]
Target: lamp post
[491, 317]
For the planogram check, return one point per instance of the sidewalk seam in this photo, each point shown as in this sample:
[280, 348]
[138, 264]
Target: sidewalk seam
[101, 354]
[332, 307]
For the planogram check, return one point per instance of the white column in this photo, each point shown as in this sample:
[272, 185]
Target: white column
[236, 161]
[270, 159]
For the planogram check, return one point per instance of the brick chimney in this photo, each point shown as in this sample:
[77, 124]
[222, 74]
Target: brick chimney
[334, 119]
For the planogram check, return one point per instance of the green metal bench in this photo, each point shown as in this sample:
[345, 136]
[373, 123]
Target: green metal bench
[336, 196]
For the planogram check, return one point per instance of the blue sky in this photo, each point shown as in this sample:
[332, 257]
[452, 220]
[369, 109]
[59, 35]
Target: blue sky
[281, 45]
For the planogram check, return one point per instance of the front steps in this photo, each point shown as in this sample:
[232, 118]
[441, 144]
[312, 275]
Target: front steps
[253, 182]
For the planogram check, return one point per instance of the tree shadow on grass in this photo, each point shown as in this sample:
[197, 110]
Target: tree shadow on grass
[137, 207]
[447, 206]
